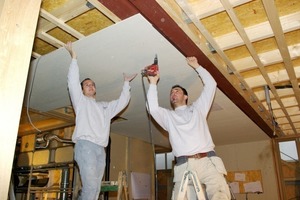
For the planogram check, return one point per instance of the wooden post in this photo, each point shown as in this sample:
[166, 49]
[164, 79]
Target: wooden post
[18, 21]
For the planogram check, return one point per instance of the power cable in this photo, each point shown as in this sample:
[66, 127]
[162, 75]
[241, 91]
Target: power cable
[150, 135]
[29, 96]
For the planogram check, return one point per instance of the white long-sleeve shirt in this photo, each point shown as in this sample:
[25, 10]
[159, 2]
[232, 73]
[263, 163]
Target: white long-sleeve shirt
[187, 125]
[92, 117]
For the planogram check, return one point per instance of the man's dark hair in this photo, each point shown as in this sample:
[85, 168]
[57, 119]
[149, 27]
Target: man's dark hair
[183, 89]
[85, 80]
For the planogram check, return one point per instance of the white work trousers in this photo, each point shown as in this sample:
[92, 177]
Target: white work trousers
[90, 158]
[210, 172]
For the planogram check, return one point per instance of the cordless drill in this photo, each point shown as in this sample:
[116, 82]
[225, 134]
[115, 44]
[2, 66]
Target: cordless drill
[151, 70]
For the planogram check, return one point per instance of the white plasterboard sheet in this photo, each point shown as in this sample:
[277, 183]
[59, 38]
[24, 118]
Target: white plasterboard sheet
[129, 46]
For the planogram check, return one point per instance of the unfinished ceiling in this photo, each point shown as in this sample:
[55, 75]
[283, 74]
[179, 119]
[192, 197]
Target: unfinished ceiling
[252, 48]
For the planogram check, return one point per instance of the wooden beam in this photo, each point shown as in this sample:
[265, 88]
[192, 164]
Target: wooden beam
[121, 8]
[104, 10]
[71, 10]
[50, 39]
[18, 22]
[205, 8]
[277, 162]
[61, 24]
[275, 77]
[282, 44]
[258, 32]
[267, 58]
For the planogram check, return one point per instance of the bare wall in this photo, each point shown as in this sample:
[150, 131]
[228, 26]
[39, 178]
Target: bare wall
[131, 155]
[252, 156]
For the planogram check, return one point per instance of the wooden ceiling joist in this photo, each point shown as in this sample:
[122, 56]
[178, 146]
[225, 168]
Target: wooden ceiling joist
[104, 10]
[258, 32]
[267, 58]
[49, 39]
[207, 8]
[279, 35]
[71, 10]
[61, 24]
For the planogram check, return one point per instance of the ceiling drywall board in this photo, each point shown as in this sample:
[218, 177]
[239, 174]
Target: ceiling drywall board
[229, 125]
[129, 46]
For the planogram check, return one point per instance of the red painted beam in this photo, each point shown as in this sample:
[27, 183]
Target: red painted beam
[157, 16]
[122, 8]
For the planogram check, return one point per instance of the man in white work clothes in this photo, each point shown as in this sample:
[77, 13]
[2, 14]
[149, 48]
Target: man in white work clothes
[189, 135]
[92, 128]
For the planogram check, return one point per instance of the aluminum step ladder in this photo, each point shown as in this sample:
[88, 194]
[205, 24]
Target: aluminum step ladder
[190, 175]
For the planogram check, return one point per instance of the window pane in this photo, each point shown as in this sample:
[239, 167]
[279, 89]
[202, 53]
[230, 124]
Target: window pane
[288, 151]
[170, 158]
[160, 161]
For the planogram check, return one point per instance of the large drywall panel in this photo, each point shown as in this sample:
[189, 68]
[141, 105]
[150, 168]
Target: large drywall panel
[128, 46]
